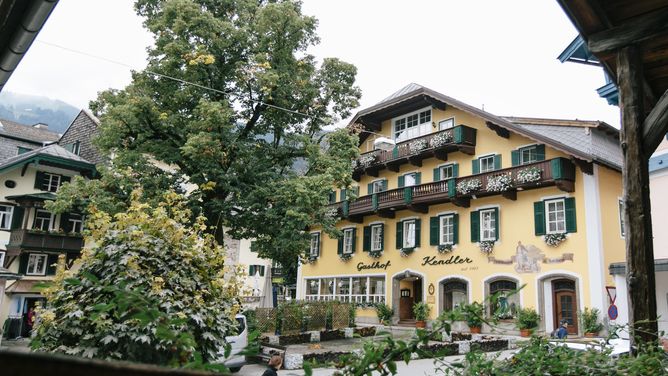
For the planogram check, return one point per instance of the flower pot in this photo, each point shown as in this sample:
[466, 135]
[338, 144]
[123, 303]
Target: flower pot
[525, 332]
[591, 335]
[475, 329]
[421, 324]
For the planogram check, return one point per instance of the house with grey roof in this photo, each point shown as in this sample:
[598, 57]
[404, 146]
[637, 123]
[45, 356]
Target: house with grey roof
[16, 138]
[78, 138]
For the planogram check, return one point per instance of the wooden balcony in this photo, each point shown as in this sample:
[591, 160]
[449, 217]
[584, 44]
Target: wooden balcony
[32, 240]
[559, 172]
[413, 151]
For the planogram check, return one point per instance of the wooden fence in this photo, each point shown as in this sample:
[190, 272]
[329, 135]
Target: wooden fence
[303, 316]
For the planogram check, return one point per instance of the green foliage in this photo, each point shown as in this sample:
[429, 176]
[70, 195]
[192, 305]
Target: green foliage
[251, 163]
[473, 314]
[352, 315]
[589, 320]
[152, 289]
[421, 311]
[384, 313]
[527, 318]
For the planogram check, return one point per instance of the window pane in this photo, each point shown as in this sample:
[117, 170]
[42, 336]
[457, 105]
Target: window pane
[445, 124]
[327, 286]
[409, 234]
[376, 238]
[343, 286]
[359, 285]
[377, 285]
[312, 286]
[446, 172]
[409, 180]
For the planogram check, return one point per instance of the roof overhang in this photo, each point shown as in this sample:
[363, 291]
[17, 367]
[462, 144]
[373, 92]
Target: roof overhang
[32, 197]
[577, 52]
[85, 168]
[619, 268]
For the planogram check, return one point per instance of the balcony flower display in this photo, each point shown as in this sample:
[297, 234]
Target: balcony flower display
[553, 240]
[367, 159]
[345, 256]
[445, 248]
[405, 252]
[375, 254]
[486, 246]
[528, 175]
[499, 183]
[440, 139]
[417, 145]
[468, 186]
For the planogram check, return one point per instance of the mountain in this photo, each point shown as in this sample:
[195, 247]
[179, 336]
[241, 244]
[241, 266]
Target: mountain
[31, 109]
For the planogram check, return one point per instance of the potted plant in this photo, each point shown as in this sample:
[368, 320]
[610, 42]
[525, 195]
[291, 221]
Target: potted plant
[527, 321]
[590, 323]
[421, 312]
[473, 314]
[384, 313]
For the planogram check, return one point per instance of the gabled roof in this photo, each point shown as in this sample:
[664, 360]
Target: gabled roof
[599, 148]
[52, 155]
[26, 132]
[577, 52]
[86, 113]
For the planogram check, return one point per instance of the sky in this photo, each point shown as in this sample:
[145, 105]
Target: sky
[496, 55]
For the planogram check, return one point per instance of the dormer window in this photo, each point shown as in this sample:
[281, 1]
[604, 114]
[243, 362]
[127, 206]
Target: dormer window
[49, 182]
[412, 125]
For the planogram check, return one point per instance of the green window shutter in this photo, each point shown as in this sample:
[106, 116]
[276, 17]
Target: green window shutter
[17, 217]
[496, 223]
[515, 157]
[23, 263]
[382, 236]
[51, 264]
[395, 152]
[370, 188]
[475, 166]
[366, 238]
[475, 226]
[67, 179]
[418, 223]
[65, 222]
[261, 270]
[339, 250]
[343, 194]
[452, 192]
[317, 248]
[400, 235]
[455, 170]
[354, 247]
[408, 195]
[540, 152]
[39, 180]
[571, 222]
[433, 230]
[539, 217]
[251, 270]
[437, 174]
[418, 178]
[402, 181]
[555, 165]
[497, 162]
[384, 185]
[455, 228]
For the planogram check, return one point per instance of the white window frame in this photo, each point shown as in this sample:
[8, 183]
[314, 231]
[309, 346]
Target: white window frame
[2, 259]
[622, 224]
[315, 244]
[413, 176]
[51, 179]
[365, 297]
[51, 220]
[492, 229]
[443, 124]
[406, 232]
[442, 235]
[76, 222]
[443, 168]
[556, 221]
[6, 216]
[485, 157]
[377, 186]
[529, 148]
[35, 257]
[404, 119]
[348, 240]
[376, 237]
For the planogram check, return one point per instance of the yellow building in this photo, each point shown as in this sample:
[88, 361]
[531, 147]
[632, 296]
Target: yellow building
[455, 204]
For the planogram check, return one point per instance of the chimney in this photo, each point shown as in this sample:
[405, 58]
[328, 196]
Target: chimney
[41, 126]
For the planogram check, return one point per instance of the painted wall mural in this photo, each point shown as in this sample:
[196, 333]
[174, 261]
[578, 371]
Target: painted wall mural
[528, 259]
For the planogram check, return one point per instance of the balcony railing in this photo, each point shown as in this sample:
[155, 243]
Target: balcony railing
[33, 240]
[558, 172]
[437, 144]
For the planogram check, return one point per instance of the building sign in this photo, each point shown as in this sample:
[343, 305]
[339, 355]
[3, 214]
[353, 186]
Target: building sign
[374, 265]
[453, 260]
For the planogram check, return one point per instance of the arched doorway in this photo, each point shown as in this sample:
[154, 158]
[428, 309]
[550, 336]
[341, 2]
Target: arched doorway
[407, 289]
[453, 292]
[565, 304]
[559, 297]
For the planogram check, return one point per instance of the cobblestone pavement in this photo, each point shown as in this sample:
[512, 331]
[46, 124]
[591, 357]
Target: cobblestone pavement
[21, 344]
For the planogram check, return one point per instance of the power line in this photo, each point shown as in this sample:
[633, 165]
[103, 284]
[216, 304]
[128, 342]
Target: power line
[167, 77]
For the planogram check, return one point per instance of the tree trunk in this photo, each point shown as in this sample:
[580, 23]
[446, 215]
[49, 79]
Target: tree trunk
[637, 216]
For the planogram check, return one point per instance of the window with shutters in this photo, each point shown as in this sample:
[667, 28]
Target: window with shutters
[487, 225]
[409, 234]
[447, 172]
[528, 154]
[51, 182]
[556, 216]
[6, 212]
[315, 244]
[36, 264]
[412, 125]
[446, 124]
[447, 229]
[622, 225]
[377, 237]
[410, 179]
[43, 220]
[486, 163]
[75, 222]
[348, 235]
[377, 186]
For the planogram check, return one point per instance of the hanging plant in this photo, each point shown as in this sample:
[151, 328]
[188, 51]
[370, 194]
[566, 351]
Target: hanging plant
[417, 145]
[486, 246]
[445, 248]
[440, 139]
[405, 252]
[375, 254]
[528, 175]
[468, 186]
[367, 159]
[499, 183]
[553, 240]
[345, 256]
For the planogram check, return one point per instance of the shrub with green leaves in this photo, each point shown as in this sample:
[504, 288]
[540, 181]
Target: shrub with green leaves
[151, 290]
[384, 313]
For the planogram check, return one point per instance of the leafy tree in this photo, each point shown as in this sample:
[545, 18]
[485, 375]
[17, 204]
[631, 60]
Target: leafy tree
[151, 290]
[248, 131]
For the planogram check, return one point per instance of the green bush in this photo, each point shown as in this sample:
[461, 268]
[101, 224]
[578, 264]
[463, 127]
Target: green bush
[421, 311]
[473, 314]
[384, 313]
[589, 320]
[527, 318]
[352, 315]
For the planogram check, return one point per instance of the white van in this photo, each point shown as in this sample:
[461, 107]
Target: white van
[238, 342]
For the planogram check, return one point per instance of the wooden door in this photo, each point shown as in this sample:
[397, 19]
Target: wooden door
[565, 307]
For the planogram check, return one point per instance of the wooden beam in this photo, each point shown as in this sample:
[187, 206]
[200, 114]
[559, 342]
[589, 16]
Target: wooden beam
[384, 213]
[655, 127]
[467, 149]
[415, 160]
[372, 171]
[418, 208]
[355, 218]
[635, 30]
[586, 167]
[462, 202]
[510, 195]
[640, 277]
[500, 131]
[394, 167]
[565, 185]
[441, 155]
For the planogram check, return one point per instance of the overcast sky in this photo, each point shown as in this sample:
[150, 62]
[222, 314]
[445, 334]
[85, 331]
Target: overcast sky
[498, 54]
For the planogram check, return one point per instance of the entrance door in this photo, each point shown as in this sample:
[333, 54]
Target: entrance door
[565, 304]
[406, 305]
[28, 317]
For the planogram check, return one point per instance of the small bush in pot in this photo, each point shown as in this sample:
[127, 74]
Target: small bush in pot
[473, 314]
[590, 323]
[384, 313]
[421, 311]
[527, 321]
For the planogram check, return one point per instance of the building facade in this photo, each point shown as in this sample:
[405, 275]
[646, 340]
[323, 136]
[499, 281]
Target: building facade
[466, 205]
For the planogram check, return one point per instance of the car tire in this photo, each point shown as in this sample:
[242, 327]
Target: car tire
[235, 369]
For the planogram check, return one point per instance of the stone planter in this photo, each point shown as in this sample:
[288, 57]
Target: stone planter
[591, 335]
[475, 329]
[421, 324]
[525, 332]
